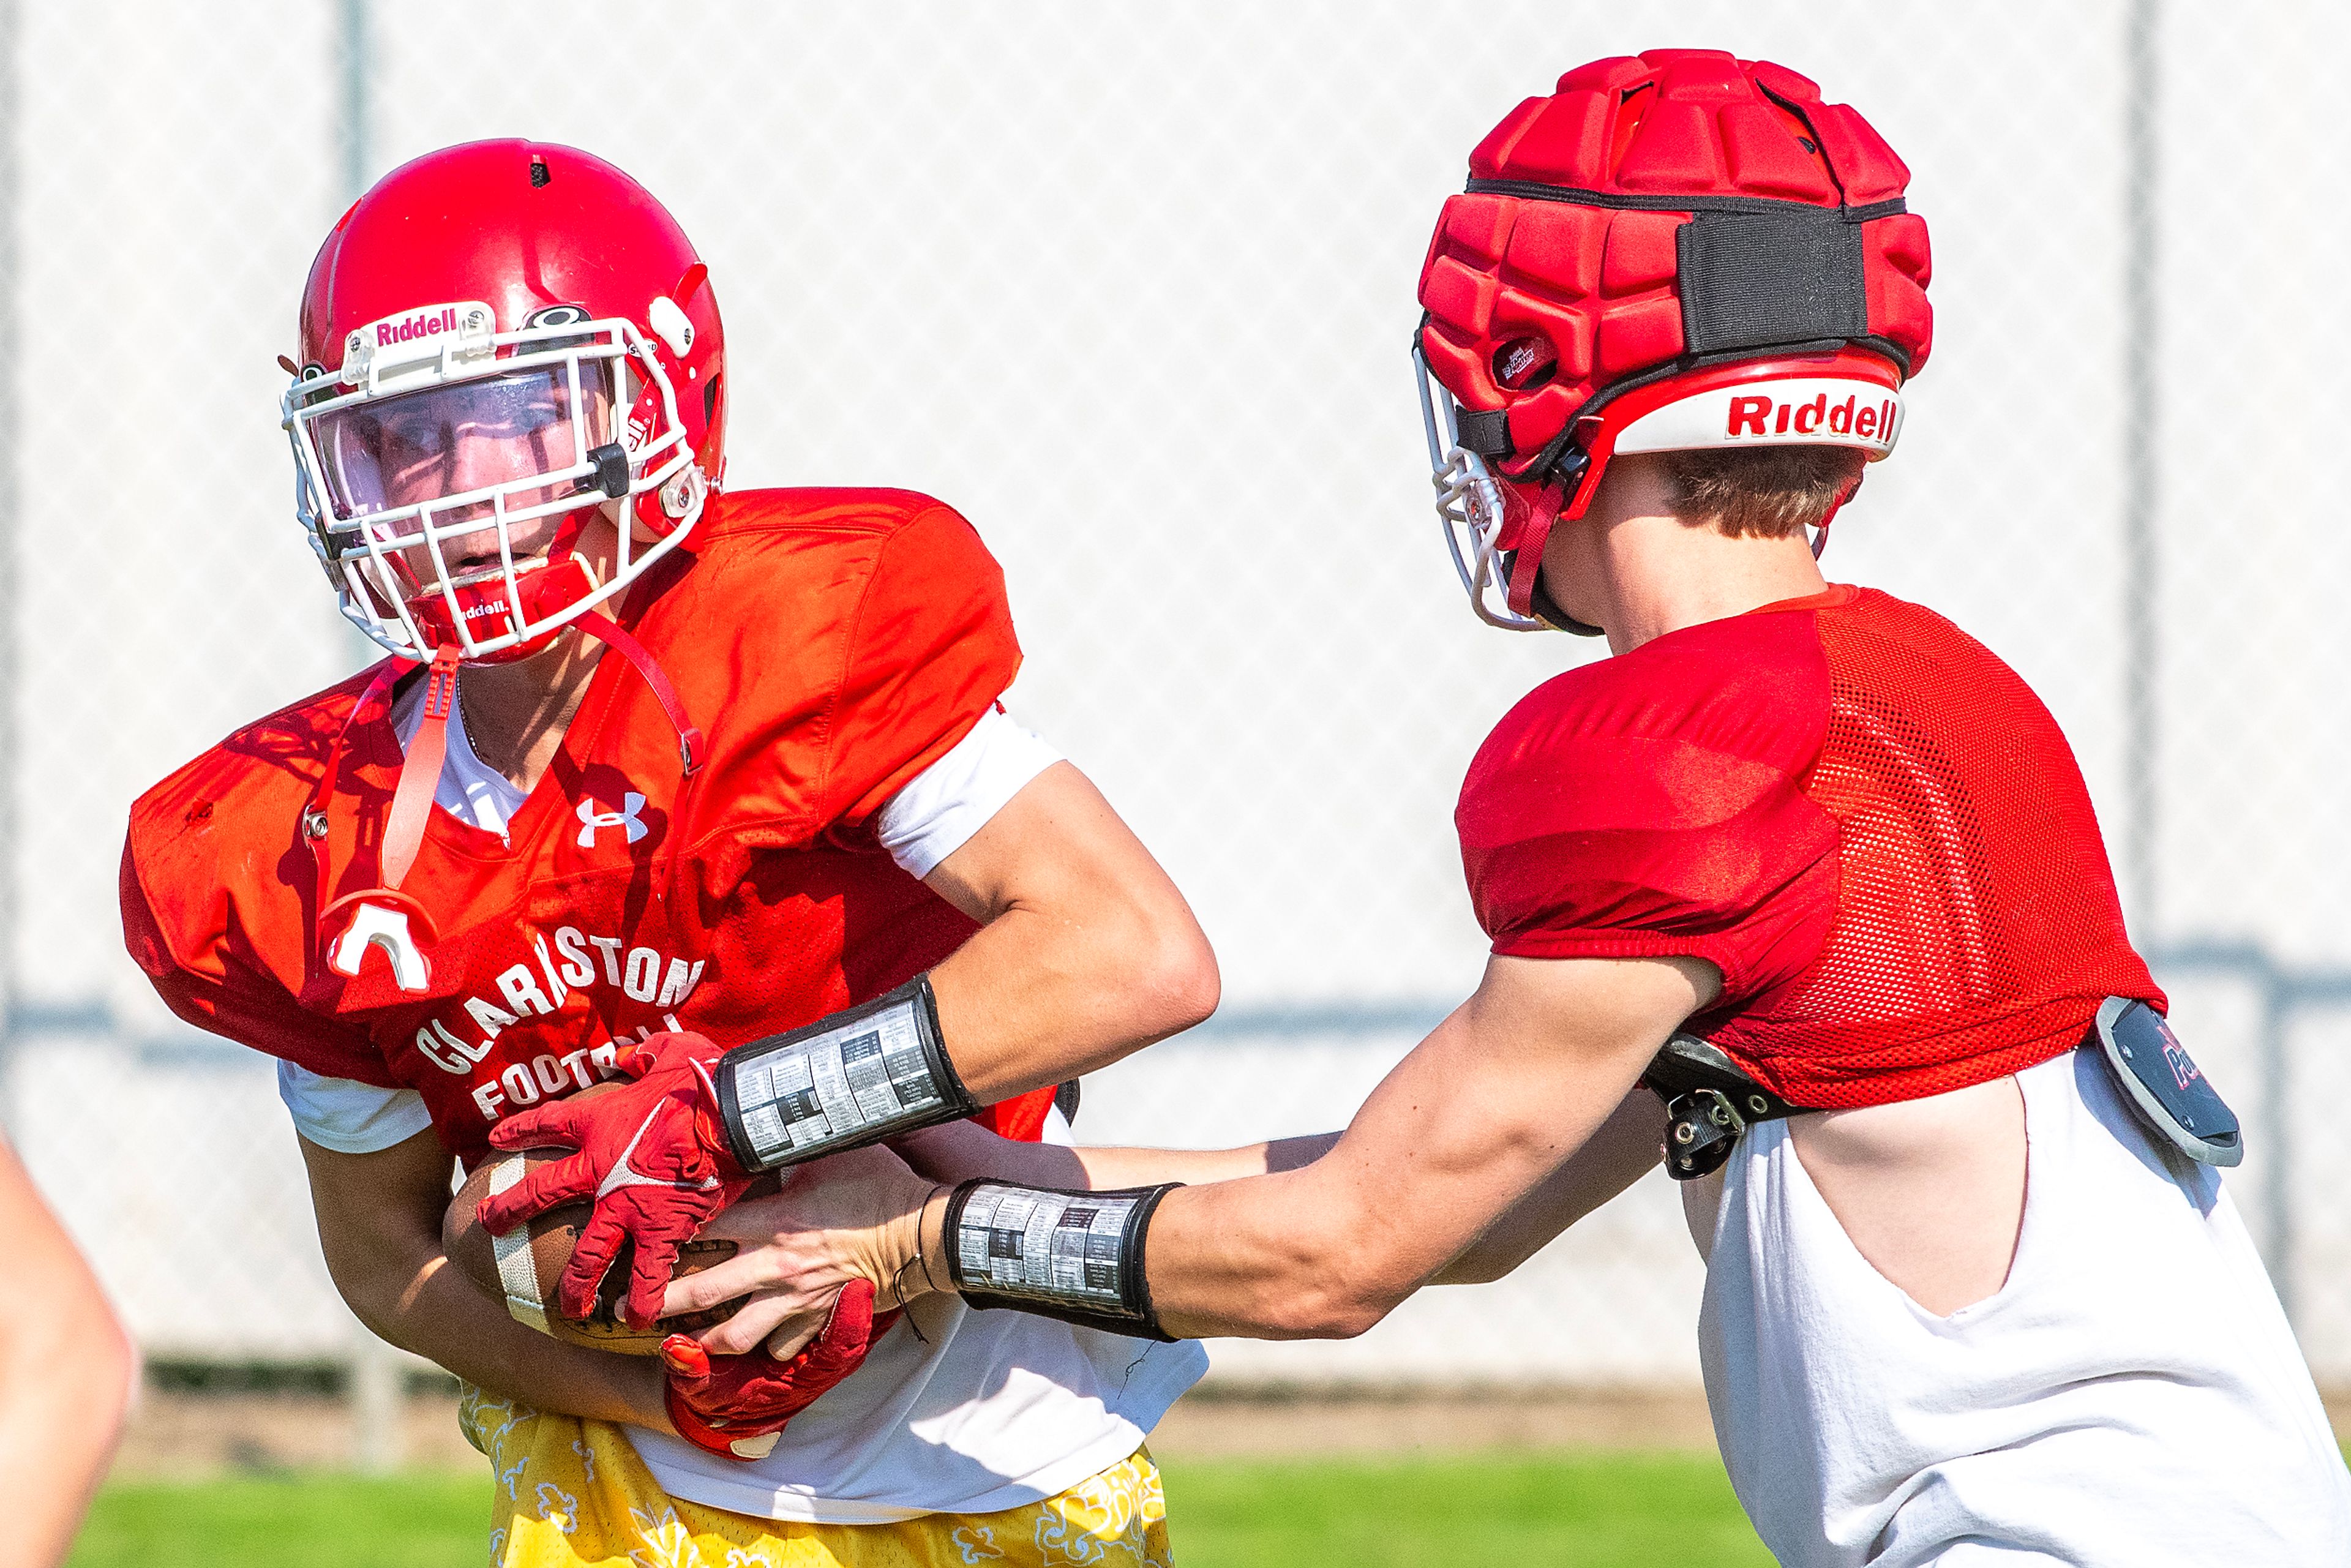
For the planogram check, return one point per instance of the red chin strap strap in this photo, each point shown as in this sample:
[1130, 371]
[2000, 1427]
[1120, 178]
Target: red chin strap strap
[386, 926]
[1528, 514]
[1821, 538]
[689, 739]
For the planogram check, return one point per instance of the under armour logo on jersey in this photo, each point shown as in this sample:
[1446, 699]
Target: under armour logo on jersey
[627, 818]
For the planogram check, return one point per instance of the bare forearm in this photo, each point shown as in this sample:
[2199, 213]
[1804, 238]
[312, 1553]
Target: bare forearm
[1111, 1169]
[1031, 1001]
[962, 1151]
[65, 1384]
[1625, 1148]
[380, 1227]
[443, 1317]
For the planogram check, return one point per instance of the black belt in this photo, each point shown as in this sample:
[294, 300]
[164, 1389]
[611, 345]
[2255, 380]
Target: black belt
[1710, 1101]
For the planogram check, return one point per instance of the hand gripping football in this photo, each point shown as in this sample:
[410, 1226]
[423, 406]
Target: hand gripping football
[521, 1266]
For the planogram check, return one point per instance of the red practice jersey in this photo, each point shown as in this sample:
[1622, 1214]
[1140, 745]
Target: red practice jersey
[830, 643]
[1848, 806]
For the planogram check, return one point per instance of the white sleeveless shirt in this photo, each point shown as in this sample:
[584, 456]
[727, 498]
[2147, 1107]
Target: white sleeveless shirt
[2132, 1396]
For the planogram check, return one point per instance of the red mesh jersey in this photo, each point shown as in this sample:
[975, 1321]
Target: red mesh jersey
[1866, 821]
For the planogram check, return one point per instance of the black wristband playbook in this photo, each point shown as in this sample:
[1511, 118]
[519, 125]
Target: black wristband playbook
[1075, 1256]
[852, 1078]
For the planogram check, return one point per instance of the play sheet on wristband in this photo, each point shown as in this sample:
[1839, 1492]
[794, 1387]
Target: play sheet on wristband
[1052, 1245]
[825, 1090]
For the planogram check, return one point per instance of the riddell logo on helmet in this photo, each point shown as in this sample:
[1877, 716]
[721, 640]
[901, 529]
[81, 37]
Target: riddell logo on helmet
[1769, 417]
[421, 325]
[1837, 411]
[462, 318]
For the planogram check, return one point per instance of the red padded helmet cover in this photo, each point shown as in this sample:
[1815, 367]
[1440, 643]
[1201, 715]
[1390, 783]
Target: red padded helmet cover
[1558, 277]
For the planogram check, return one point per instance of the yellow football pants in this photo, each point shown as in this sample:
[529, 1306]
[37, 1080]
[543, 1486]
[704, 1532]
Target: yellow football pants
[573, 1494]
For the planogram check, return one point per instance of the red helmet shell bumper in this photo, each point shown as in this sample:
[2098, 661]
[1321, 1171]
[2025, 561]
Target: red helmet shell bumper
[1851, 398]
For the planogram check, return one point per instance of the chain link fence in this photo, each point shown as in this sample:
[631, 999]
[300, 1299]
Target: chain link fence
[1132, 287]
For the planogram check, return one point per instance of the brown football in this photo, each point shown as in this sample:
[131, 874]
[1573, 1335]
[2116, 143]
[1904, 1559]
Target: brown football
[522, 1274]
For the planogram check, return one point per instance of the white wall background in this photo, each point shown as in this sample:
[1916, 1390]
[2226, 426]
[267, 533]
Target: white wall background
[1132, 288]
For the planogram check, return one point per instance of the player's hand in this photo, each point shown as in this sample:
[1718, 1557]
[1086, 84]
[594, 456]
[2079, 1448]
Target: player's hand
[650, 1154]
[735, 1404]
[845, 1220]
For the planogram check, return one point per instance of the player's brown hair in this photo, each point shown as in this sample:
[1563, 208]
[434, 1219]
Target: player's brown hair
[1764, 492]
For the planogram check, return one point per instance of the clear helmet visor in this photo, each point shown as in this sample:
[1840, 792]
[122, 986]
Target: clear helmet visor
[443, 443]
[446, 491]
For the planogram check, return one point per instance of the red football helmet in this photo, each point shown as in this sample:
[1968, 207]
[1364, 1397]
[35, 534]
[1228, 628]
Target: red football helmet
[496, 339]
[1678, 251]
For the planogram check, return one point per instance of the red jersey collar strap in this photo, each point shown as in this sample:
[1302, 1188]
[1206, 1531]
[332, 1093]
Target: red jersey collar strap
[689, 739]
[420, 771]
[380, 916]
[1528, 514]
[377, 917]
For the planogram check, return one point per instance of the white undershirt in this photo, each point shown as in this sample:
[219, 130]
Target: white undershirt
[981, 1411]
[470, 790]
[2131, 1397]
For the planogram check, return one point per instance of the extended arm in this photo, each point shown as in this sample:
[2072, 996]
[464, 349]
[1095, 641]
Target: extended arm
[380, 1226]
[962, 1150]
[1524, 1096]
[66, 1371]
[1623, 1149]
[1504, 1091]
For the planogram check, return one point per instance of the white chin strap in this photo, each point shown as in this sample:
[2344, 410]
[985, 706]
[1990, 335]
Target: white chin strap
[1470, 505]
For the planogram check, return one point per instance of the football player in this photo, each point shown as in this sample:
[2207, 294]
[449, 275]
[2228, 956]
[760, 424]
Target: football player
[67, 1372]
[653, 767]
[1802, 885]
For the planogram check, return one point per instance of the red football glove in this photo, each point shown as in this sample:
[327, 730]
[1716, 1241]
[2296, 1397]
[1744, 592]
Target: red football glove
[735, 1404]
[651, 1154]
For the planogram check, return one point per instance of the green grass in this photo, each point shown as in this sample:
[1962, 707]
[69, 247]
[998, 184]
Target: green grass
[1585, 1509]
[1594, 1510]
[298, 1520]
[1589, 1510]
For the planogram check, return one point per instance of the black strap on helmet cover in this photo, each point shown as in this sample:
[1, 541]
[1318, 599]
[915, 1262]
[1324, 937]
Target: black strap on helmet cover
[1755, 273]
[1766, 280]
[1485, 432]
